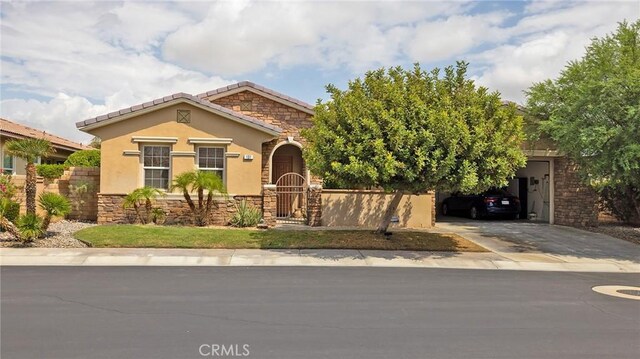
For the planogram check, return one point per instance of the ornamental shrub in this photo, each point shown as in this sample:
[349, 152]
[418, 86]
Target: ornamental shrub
[50, 171]
[84, 158]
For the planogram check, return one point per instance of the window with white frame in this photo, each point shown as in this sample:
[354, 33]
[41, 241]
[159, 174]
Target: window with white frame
[211, 159]
[156, 164]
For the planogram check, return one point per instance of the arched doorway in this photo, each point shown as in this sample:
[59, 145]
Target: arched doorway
[288, 173]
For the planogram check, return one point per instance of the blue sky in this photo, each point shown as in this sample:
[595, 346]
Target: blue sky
[62, 62]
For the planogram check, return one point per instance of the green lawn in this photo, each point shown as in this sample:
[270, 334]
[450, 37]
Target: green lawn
[136, 236]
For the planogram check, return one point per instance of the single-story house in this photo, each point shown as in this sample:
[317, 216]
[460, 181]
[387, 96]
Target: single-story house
[11, 130]
[250, 136]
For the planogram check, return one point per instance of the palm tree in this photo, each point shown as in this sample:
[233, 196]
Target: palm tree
[139, 197]
[200, 182]
[30, 149]
[54, 205]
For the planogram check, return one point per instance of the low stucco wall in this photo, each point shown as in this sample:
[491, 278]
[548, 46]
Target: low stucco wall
[360, 208]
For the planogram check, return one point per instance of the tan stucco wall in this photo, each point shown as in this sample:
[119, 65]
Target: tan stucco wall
[123, 173]
[365, 209]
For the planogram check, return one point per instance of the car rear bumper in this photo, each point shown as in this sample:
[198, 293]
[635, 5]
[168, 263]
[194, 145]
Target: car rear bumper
[497, 211]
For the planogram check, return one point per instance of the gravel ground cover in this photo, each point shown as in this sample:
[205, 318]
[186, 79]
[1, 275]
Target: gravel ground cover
[626, 232]
[59, 235]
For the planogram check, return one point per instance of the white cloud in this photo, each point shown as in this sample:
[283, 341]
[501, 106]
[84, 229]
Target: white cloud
[99, 65]
[443, 39]
[541, 44]
[90, 58]
[237, 38]
[57, 116]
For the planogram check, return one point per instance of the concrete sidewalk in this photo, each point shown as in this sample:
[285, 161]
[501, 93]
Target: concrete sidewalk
[308, 257]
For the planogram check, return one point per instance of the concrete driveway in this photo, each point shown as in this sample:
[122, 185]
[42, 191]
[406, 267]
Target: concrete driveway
[522, 239]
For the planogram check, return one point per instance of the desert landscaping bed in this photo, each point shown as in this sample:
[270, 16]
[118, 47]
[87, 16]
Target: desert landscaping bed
[59, 235]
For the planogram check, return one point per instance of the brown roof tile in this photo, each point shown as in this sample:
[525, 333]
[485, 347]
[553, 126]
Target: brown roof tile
[10, 128]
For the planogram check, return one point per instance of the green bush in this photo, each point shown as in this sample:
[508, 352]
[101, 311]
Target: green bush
[30, 227]
[84, 158]
[50, 171]
[246, 215]
[9, 209]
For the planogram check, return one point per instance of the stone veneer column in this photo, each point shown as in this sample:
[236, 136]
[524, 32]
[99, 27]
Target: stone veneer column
[575, 204]
[433, 208]
[314, 205]
[269, 204]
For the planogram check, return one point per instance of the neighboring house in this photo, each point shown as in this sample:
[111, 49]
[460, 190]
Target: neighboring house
[248, 134]
[11, 131]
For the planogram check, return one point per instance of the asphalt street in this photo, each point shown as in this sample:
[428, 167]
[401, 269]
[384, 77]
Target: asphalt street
[312, 312]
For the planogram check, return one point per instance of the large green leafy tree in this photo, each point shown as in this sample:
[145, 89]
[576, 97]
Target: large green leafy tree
[412, 130]
[30, 149]
[592, 110]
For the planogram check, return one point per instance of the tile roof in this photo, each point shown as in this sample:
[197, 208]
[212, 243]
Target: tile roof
[180, 96]
[11, 128]
[254, 86]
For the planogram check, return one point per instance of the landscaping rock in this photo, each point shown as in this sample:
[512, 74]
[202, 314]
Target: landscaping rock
[59, 235]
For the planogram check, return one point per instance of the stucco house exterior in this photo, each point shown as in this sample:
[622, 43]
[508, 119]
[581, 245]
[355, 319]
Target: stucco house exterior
[11, 131]
[248, 134]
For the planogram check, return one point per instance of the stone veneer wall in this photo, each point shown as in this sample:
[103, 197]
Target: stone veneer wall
[288, 118]
[269, 204]
[110, 209]
[575, 204]
[314, 206]
[84, 206]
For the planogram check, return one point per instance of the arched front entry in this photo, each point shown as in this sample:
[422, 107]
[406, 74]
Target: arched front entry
[288, 173]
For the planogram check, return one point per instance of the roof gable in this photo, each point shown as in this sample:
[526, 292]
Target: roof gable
[170, 100]
[259, 90]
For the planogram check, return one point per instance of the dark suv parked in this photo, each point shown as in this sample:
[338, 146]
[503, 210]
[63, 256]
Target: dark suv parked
[494, 202]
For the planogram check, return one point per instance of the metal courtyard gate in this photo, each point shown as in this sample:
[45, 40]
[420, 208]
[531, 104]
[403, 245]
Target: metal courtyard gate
[291, 198]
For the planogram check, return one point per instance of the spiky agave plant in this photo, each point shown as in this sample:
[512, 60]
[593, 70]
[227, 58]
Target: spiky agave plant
[54, 205]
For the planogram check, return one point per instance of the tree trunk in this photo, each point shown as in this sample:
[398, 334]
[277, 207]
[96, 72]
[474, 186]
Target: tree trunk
[388, 213]
[45, 225]
[30, 188]
[10, 227]
[148, 207]
[136, 207]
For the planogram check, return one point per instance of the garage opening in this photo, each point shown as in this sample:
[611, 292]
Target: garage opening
[532, 185]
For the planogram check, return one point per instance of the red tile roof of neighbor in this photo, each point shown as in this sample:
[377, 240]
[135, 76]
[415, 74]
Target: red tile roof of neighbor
[12, 129]
[184, 97]
[259, 88]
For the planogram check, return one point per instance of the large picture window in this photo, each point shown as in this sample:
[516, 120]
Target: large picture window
[156, 164]
[211, 159]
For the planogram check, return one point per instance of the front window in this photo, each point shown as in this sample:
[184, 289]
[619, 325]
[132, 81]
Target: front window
[211, 159]
[156, 164]
[7, 164]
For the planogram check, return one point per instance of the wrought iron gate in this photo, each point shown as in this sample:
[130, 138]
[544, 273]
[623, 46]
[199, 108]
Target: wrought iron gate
[291, 198]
